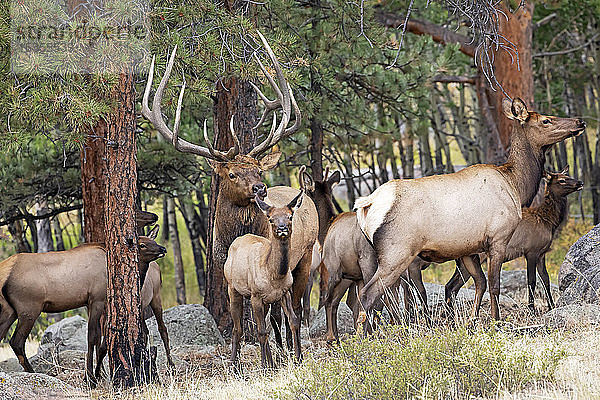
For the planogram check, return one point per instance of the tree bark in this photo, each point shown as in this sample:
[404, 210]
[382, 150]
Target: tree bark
[177, 260]
[60, 244]
[45, 242]
[129, 362]
[93, 186]
[194, 227]
[18, 233]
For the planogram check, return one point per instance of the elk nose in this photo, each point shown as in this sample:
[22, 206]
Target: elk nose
[259, 189]
[162, 249]
[581, 122]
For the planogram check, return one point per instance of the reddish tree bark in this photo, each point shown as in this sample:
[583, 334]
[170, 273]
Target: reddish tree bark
[93, 174]
[126, 342]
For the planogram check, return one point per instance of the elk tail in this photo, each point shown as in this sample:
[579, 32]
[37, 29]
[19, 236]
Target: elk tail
[362, 206]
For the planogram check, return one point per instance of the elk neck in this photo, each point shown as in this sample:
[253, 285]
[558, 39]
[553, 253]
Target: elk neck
[524, 167]
[233, 220]
[279, 254]
[554, 211]
[326, 212]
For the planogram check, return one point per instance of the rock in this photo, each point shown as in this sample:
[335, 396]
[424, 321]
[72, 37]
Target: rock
[572, 316]
[579, 275]
[513, 284]
[10, 365]
[25, 386]
[63, 346]
[187, 325]
[345, 322]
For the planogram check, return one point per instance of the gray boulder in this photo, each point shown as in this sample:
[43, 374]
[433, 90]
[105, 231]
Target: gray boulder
[187, 325]
[63, 346]
[573, 316]
[579, 275]
[345, 322]
[25, 386]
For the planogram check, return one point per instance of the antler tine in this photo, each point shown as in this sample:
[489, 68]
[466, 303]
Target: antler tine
[297, 113]
[154, 115]
[267, 143]
[326, 173]
[217, 154]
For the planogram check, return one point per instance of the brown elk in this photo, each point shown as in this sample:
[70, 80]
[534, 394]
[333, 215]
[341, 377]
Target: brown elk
[56, 282]
[236, 212]
[320, 191]
[259, 268]
[533, 236]
[477, 209]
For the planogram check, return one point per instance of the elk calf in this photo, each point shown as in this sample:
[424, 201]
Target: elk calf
[534, 235]
[259, 268]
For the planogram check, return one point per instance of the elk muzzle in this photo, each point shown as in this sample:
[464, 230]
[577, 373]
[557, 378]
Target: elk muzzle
[259, 189]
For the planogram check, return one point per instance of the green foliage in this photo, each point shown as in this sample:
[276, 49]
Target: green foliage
[435, 363]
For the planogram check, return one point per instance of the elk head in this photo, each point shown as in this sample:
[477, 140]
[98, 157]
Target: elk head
[149, 250]
[541, 130]
[561, 184]
[144, 218]
[240, 174]
[280, 218]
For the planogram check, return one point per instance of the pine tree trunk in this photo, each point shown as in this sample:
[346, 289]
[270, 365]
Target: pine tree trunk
[165, 220]
[177, 260]
[128, 359]
[193, 225]
[60, 244]
[45, 242]
[93, 186]
[18, 234]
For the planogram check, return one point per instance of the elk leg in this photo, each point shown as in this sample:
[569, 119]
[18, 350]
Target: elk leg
[156, 305]
[386, 275]
[306, 298]
[275, 317]
[543, 272]
[258, 308]
[95, 311]
[101, 351]
[460, 277]
[323, 283]
[495, 259]
[472, 266]
[286, 304]
[17, 341]
[409, 300]
[531, 281]
[236, 308]
[331, 307]
[416, 279]
[300, 275]
[8, 315]
[352, 299]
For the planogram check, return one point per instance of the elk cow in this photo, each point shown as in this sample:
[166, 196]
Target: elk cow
[445, 217]
[259, 268]
[533, 236]
[31, 283]
[320, 191]
[236, 212]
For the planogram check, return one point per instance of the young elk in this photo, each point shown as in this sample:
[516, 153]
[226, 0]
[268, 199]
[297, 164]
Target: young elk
[32, 283]
[239, 176]
[477, 209]
[259, 268]
[534, 235]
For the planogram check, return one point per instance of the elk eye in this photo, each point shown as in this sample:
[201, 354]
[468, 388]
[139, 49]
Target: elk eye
[270, 220]
[561, 181]
[142, 246]
[231, 175]
[546, 121]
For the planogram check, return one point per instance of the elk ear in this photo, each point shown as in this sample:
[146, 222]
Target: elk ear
[264, 207]
[547, 176]
[334, 179]
[306, 181]
[565, 170]
[515, 110]
[296, 202]
[270, 160]
[154, 232]
[214, 165]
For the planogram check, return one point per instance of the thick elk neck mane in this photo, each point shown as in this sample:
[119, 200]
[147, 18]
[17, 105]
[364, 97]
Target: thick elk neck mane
[234, 220]
[524, 167]
[279, 254]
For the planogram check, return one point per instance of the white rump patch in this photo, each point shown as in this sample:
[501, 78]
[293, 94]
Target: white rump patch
[316, 256]
[371, 210]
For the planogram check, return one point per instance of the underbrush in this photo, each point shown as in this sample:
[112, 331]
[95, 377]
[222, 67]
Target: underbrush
[443, 363]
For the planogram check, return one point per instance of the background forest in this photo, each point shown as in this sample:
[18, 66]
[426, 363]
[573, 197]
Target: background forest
[371, 111]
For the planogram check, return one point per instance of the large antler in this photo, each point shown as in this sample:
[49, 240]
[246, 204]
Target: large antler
[155, 116]
[285, 99]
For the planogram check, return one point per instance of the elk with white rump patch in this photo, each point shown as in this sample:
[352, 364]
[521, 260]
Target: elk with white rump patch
[259, 268]
[477, 209]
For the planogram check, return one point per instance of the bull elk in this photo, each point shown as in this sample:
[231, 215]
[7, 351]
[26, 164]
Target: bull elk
[236, 212]
[477, 209]
[32, 283]
[533, 236]
[259, 268]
